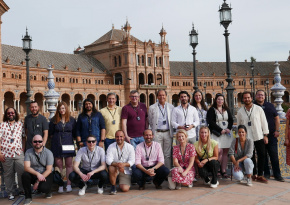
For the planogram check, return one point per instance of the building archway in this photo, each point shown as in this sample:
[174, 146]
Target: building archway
[66, 98]
[78, 102]
[175, 100]
[141, 79]
[92, 97]
[38, 97]
[151, 99]
[286, 97]
[240, 99]
[208, 98]
[118, 100]
[22, 104]
[102, 101]
[150, 79]
[159, 79]
[8, 100]
[118, 79]
[143, 98]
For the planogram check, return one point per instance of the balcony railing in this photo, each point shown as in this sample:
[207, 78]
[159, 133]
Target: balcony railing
[152, 86]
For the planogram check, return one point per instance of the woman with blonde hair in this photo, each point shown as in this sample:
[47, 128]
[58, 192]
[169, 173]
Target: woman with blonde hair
[62, 132]
[207, 157]
[183, 159]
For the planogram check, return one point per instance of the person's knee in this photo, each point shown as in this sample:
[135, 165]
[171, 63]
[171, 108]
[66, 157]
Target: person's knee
[238, 175]
[112, 170]
[124, 188]
[25, 176]
[72, 176]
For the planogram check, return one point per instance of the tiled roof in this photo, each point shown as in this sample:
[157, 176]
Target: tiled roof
[219, 68]
[114, 35]
[73, 61]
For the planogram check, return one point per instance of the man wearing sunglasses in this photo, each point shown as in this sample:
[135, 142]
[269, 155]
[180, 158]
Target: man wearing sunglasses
[35, 124]
[38, 163]
[120, 157]
[134, 119]
[93, 165]
[11, 150]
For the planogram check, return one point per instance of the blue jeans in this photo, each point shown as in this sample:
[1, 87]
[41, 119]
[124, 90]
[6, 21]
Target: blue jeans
[247, 165]
[108, 142]
[136, 140]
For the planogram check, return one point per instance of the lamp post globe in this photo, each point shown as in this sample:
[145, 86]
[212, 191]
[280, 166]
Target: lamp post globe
[193, 42]
[27, 47]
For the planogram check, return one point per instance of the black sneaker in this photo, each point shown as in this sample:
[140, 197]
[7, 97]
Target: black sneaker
[48, 195]
[280, 179]
[113, 190]
[27, 201]
[21, 193]
[267, 176]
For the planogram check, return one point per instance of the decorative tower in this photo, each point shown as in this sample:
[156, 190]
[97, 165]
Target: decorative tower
[278, 91]
[51, 95]
[162, 35]
[127, 28]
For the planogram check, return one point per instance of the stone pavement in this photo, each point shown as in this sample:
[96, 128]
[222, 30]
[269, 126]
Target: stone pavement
[228, 192]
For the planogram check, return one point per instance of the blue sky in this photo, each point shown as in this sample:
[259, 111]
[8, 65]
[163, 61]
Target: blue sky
[259, 28]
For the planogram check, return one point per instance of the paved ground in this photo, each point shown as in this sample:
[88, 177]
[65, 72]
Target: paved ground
[228, 192]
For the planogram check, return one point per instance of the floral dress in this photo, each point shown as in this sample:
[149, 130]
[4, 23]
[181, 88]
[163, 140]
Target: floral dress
[183, 162]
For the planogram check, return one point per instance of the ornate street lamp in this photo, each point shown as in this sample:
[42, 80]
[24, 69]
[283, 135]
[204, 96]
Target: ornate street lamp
[244, 81]
[225, 20]
[193, 41]
[267, 83]
[204, 86]
[27, 48]
[222, 86]
[251, 83]
[253, 77]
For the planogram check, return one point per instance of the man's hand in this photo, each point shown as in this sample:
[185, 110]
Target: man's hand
[265, 139]
[121, 166]
[101, 144]
[286, 143]
[237, 166]
[276, 134]
[2, 158]
[35, 186]
[84, 177]
[81, 144]
[128, 139]
[89, 175]
[40, 177]
[189, 128]
[151, 172]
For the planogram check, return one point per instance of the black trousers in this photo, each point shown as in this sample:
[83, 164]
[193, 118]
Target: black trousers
[210, 167]
[28, 179]
[140, 176]
[102, 176]
[260, 149]
[272, 150]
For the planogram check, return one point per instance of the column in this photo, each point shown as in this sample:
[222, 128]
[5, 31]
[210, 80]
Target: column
[70, 105]
[211, 100]
[18, 106]
[3, 105]
[43, 106]
[98, 104]
[120, 103]
[14, 104]
[95, 103]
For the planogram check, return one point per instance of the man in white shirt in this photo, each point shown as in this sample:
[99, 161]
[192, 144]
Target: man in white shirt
[120, 157]
[254, 118]
[185, 117]
[159, 120]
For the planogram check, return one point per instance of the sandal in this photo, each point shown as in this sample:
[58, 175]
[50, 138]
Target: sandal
[224, 175]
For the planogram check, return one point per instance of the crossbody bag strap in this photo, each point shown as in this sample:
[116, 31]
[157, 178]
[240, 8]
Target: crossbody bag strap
[38, 160]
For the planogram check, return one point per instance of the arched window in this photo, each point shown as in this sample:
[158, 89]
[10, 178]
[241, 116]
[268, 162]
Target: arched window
[4, 75]
[34, 77]
[20, 76]
[120, 61]
[77, 81]
[150, 78]
[141, 79]
[142, 60]
[12, 75]
[115, 61]
[118, 79]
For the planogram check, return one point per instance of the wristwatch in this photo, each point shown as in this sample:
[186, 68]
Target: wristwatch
[102, 140]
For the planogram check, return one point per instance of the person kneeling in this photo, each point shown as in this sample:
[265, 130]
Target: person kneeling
[207, 160]
[149, 162]
[38, 163]
[241, 152]
[93, 165]
[120, 157]
[183, 159]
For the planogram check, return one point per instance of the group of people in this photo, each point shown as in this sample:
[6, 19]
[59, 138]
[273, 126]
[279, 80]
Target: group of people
[135, 145]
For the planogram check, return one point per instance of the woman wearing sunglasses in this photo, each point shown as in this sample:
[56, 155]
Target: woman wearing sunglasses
[62, 132]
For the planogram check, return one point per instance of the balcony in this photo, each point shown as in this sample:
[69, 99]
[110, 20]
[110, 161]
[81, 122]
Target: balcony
[152, 86]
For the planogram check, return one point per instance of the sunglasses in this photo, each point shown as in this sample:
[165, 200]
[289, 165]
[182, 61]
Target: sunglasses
[91, 141]
[10, 113]
[37, 141]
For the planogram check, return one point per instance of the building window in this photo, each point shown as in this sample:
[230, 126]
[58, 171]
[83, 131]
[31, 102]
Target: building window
[4, 75]
[77, 80]
[120, 61]
[125, 58]
[142, 61]
[149, 61]
[160, 62]
[115, 61]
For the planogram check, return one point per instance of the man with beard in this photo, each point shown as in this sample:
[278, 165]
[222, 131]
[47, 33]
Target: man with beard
[185, 117]
[120, 157]
[35, 124]
[134, 119]
[159, 117]
[274, 126]
[253, 117]
[11, 149]
[90, 122]
[93, 166]
[38, 163]
[149, 161]
[112, 116]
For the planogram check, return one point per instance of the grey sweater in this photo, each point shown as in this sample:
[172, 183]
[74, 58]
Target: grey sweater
[248, 149]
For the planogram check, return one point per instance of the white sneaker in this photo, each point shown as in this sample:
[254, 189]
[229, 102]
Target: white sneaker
[178, 186]
[100, 190]
[83, 190]
[214, 185]
[60, 189]
[68, 188]
[249, 182]
[190, 186]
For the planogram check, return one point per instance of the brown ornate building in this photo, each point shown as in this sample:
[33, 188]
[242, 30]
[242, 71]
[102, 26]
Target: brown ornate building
[119, 62]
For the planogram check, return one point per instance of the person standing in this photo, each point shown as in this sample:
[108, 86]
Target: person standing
[149, 161]
[185, 117]
[254, 119]
[93, 166]
[200, 105]
[112, 117]
[35, 124]
[220, 122]
[11, 149]
[159, 116]
[38, 163]
[62, 130]
[274, 127]
[90, 122]
[134, 119]
[120, 158]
